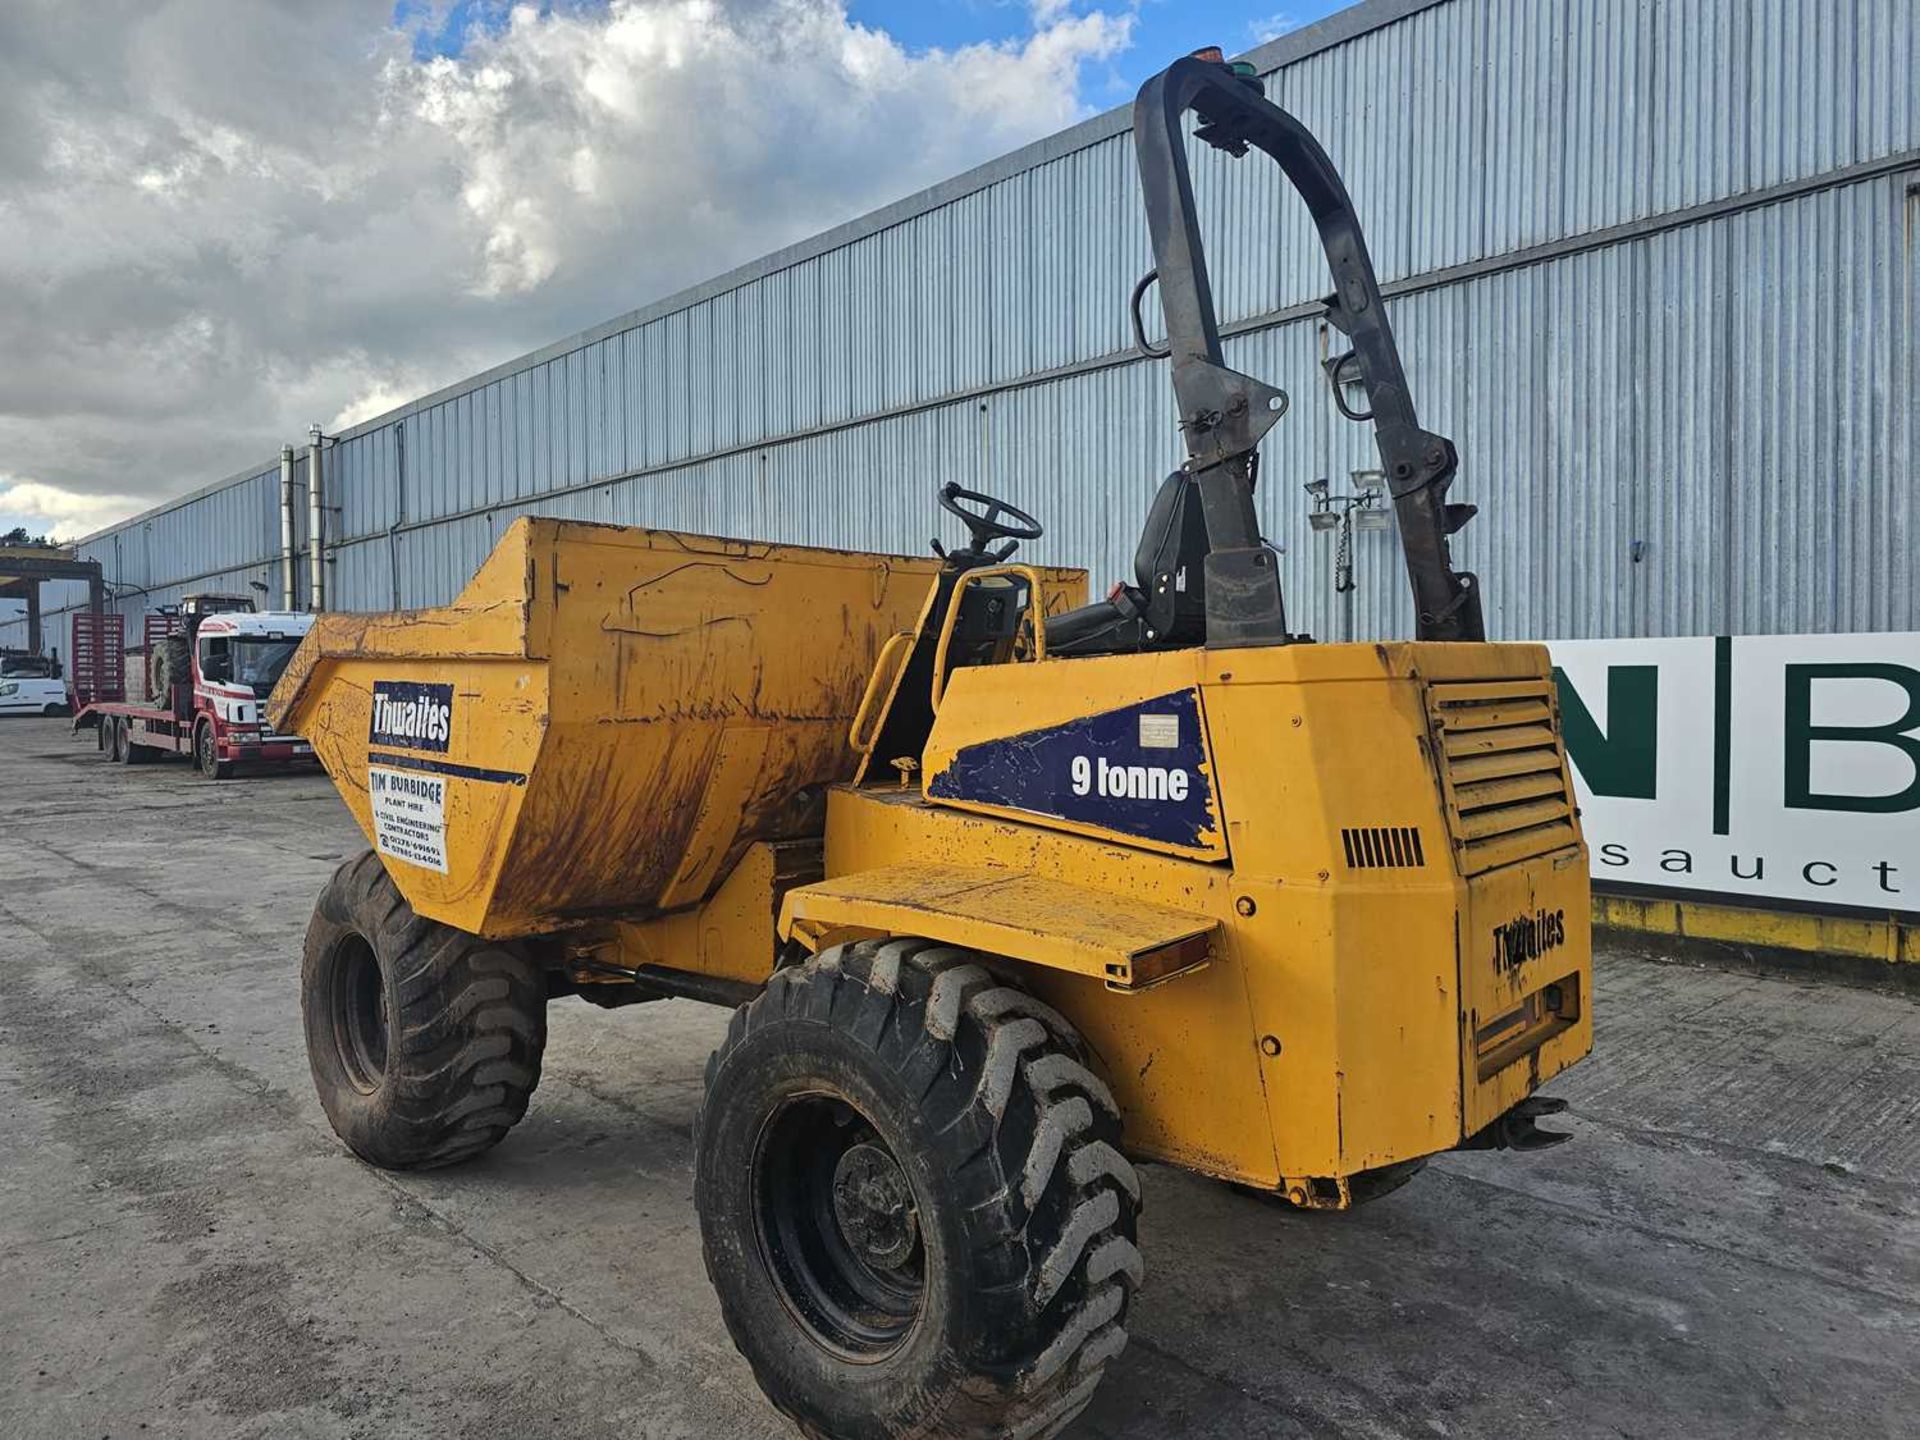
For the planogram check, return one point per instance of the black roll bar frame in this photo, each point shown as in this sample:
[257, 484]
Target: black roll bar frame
[1224, 414]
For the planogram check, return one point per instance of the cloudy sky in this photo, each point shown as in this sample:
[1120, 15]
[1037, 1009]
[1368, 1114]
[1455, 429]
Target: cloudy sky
[222, 220]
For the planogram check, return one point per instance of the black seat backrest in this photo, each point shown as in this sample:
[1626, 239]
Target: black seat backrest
[1168, 563]
[1166, 608]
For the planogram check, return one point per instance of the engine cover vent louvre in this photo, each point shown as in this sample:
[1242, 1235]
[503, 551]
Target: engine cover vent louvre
[1502, 770]
[1383, 847]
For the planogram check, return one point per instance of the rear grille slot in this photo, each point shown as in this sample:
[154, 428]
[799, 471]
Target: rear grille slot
[1383, 847]
[1504, 776]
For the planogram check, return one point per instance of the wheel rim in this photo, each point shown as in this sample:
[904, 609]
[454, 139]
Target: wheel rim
[358, 1007]
[839, 1228]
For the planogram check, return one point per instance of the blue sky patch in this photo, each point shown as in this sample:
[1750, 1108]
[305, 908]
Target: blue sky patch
[442, 27]
[1162, 29]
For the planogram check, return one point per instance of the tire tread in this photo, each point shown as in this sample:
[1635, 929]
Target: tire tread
[471, 1032]
[1031, 1135]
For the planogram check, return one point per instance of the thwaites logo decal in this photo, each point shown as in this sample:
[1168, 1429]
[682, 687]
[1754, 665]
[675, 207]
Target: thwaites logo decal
[1528, 937]
[1138, 771]
[411, 716]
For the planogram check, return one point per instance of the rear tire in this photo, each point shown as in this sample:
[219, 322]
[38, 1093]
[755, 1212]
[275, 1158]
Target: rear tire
[912, 1200]
[424, 1041]
[135, 753]
[124, 750]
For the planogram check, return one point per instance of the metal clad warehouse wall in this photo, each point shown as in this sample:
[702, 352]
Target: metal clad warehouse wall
[1652, 263]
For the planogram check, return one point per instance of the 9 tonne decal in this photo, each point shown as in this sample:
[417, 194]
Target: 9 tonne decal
[1095, 776]
[1139, 771]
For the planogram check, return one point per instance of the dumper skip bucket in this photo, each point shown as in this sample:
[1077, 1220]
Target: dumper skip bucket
[604, 719]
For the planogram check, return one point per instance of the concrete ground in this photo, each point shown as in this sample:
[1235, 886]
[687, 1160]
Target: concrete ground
[1730, 1247]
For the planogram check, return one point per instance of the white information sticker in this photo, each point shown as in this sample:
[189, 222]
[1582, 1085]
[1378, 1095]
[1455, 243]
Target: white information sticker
[1159, 732]
[409, 816]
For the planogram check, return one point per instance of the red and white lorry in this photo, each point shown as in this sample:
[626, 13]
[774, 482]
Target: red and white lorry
[208, 666]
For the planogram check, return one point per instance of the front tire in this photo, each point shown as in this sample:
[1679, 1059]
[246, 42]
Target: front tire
[206, 755]
[912, 1200]
[425, 1042]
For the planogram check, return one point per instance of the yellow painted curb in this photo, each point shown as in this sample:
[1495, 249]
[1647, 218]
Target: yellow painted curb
[1886, 939]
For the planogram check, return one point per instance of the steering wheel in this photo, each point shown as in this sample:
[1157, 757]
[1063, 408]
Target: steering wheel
[987, 519]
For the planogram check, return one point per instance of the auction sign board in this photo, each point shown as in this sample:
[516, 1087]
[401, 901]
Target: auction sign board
[1756, 769]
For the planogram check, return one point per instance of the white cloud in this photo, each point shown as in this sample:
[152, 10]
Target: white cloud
[376, 399]
[59, 514]
[581, 136]
[224, 219]
[1271, 27]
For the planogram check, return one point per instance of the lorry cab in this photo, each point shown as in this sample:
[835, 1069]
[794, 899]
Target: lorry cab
[238, 657]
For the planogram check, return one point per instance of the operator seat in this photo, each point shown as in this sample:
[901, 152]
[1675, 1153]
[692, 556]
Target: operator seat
[1165, 609]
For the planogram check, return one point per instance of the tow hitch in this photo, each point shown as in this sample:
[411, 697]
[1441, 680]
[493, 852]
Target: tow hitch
[1516, 1129]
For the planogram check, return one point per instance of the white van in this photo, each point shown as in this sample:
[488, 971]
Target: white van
[33, 695]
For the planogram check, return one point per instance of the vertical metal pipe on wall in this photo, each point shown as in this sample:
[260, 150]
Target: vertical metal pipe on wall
[289, 573]
[316, 523]
[399, 510]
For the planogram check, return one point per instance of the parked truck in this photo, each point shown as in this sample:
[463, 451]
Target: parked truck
[205, 670]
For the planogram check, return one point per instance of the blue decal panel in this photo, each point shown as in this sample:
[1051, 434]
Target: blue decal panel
[409, 715]
[1138, 771]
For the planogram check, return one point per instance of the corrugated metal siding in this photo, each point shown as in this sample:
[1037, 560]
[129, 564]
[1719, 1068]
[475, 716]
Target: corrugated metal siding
[1734, 392]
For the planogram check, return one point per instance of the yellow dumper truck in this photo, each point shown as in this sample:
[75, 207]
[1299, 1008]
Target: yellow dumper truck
[1009, 890]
